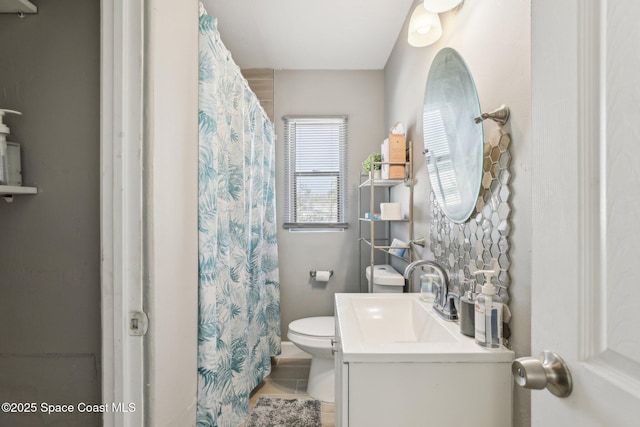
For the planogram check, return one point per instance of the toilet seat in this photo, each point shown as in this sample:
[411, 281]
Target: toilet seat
[322, 326]
[313, 333]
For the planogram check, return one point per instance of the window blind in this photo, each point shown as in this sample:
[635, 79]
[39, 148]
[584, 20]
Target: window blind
[315, 172]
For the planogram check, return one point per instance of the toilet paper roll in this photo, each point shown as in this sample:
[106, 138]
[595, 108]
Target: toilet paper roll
[322, 276]
[390, 211]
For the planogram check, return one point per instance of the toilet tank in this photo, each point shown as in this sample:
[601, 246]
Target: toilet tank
[386, 279]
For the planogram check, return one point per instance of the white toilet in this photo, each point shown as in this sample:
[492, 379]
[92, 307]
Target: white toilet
[315, 334]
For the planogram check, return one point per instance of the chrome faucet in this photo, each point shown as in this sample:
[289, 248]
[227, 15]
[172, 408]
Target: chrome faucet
[443, 303]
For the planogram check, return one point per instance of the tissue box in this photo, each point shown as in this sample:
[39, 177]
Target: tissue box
[397, 153]
[390, 211]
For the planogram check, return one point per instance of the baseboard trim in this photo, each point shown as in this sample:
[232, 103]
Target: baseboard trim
[291, 351]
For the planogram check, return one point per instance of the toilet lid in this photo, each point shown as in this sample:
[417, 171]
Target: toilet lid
[323, 326]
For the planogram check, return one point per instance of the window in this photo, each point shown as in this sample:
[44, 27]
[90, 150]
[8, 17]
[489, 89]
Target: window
[315, 172]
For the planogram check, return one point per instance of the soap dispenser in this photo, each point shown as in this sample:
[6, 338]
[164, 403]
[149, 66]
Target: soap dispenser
[488, 314]
[4, 158]
[467, 310]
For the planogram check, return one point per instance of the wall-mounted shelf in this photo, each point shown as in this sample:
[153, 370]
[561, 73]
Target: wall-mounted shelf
[17, 6]
[8, 191]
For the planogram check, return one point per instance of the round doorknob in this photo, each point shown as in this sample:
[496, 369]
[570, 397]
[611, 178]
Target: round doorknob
[547, 371]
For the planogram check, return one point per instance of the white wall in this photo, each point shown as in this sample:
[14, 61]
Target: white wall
[360, 95]
[493, 37]
[171, 110]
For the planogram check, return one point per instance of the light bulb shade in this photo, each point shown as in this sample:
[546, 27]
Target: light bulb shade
[440, 6]
[424, 27]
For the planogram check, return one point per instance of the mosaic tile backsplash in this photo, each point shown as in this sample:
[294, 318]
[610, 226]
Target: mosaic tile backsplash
[482, 242]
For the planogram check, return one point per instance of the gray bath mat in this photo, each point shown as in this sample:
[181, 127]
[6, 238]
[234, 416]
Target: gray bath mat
[277, 412]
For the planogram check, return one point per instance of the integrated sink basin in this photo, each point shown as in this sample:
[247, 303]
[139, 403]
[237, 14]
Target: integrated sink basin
[398, 363]
[402, 327]
[397, 319]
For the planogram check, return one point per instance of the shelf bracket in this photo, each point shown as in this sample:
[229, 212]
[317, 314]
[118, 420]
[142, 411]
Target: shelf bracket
[421, 241]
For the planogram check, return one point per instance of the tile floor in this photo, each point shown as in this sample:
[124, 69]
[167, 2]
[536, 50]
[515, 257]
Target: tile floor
[288, 380]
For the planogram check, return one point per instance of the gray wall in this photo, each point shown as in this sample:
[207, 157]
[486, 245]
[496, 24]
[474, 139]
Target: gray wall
[493, 37]
[360, 95]
[50, 252]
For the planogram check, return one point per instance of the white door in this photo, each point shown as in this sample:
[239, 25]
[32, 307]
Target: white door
[586, 202]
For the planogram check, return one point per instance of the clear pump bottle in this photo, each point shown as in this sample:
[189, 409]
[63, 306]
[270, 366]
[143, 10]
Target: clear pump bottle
[428, 283]
[488, 314]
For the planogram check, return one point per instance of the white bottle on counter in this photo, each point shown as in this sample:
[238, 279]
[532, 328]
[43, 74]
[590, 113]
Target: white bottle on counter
[4, 158]
[488, 314]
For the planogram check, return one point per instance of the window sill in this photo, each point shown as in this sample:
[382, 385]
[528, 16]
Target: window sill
[315, 227]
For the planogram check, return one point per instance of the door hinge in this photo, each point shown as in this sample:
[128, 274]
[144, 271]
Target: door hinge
[138, 323]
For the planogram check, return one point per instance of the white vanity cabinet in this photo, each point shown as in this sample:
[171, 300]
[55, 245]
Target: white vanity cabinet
[341, 372]
[440, 378]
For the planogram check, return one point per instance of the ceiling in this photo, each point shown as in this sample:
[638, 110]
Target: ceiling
[310, 34]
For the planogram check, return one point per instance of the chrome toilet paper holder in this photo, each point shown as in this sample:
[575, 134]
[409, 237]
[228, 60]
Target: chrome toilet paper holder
[312, 273]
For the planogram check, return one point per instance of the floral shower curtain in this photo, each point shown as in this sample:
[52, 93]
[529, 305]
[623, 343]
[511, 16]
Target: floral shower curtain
[239, 295]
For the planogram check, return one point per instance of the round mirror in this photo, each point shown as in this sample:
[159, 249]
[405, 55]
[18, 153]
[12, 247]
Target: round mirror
[453, 142]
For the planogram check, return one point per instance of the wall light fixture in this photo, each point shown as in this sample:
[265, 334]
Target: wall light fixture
[424, 27]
